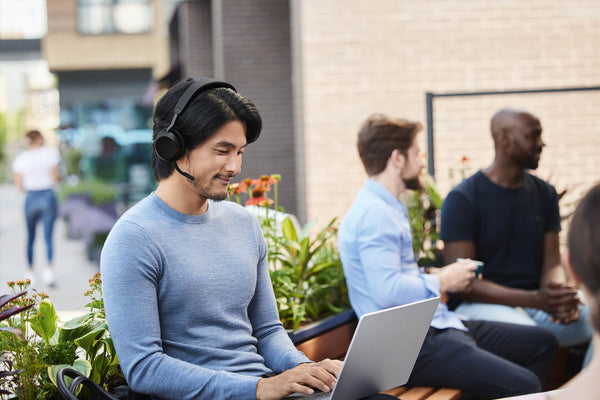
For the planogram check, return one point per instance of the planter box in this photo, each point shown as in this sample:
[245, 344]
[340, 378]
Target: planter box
[317, 328]
[328, 338]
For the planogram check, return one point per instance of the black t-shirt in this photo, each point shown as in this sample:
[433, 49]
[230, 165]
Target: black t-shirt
[507, 226]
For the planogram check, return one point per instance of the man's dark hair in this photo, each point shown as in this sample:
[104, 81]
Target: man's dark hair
[584, 248]
[205, 114]
[379, 136]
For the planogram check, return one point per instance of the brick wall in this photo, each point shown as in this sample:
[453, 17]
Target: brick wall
[363, 57]
[195, 39]
[257, 59]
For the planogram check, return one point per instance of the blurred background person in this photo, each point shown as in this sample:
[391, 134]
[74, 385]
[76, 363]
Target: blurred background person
[583, 261]
[36, 173]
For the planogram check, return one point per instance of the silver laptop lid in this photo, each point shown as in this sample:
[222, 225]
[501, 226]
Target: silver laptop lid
[384, 349]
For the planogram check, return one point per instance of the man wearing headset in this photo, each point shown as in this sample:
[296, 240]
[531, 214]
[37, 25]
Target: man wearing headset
[186, 286]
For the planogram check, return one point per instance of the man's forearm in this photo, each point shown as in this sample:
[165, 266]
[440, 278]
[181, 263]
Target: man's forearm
[555, 273]
[490, 292]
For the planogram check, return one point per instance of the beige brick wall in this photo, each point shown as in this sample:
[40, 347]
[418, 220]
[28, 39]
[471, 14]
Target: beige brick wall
[361, 57]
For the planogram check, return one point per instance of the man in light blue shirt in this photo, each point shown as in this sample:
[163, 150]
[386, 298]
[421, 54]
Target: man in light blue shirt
[484, 359]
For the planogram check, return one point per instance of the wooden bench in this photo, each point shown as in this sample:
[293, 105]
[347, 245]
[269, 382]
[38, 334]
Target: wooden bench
[334, 344]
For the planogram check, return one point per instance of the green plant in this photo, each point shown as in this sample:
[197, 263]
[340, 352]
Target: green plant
[90, 333]
[22, 348]
[306, 271]
[4, 315]
[39, 345]
[307, 275]
[71, 160]
[100, 192]
[424, 208]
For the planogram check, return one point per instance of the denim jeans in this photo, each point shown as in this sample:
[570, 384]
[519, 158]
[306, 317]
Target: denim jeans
[577, 332]
[40, 205]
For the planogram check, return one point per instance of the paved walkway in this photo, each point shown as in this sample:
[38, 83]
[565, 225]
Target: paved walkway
[72, 268]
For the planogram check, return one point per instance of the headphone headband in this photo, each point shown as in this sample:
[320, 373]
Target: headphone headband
[198, 86]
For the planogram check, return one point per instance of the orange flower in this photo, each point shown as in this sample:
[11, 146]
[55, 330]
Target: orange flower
[234, 188]
[258, 198]
[265, 182]
[465, 160]
[265, 202]
[246, 183]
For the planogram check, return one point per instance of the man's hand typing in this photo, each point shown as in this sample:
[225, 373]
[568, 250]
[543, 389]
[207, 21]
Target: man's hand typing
[301, 379]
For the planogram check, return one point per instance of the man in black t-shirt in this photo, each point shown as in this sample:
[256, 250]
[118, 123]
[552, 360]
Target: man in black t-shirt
[510, 220]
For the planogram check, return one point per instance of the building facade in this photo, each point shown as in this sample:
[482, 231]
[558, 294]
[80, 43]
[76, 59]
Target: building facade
[318, 68]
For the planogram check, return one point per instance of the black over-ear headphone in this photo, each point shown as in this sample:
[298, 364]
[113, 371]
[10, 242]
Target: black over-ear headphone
[168, 144]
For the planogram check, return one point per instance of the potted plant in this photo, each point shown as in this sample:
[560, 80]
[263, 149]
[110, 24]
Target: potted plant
[35, 342]
[305, 267]
[90, 210]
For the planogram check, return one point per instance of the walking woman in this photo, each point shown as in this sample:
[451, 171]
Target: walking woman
[36, 172]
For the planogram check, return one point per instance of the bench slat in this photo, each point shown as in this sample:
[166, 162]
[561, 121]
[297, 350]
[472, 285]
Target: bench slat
[446, 394]
[417, 393]
[397, 391]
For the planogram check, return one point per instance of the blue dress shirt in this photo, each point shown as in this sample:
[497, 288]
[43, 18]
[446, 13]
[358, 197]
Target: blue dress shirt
[375, 246]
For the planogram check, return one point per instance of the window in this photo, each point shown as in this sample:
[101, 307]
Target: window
[96, 17]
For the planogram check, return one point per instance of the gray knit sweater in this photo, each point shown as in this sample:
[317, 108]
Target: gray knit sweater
[189, 302]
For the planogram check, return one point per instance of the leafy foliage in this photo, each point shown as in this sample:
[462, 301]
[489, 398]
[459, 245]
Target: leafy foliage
[424, 208]
[306, 271]
[38, 344]
[100, 192]
[307, 275]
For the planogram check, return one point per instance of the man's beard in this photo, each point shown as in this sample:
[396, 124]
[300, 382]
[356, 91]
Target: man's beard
[413, 183]
[207, 192]
[533, 161]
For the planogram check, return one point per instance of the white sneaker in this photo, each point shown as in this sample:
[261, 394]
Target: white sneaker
[49, 277]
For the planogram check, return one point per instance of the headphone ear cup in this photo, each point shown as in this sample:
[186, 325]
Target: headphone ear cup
[169, 146]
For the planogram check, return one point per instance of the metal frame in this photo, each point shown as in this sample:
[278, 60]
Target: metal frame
[429, 97]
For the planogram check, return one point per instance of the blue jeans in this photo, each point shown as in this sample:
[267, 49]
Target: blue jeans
[40, 205]
[577, 332]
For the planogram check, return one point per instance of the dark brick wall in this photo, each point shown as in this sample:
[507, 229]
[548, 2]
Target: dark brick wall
[195, 38]
[257, 60]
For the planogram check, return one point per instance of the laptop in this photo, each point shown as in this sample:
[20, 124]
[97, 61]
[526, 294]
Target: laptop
[382, 352]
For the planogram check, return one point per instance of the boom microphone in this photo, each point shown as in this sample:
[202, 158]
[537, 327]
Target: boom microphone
[191, 178]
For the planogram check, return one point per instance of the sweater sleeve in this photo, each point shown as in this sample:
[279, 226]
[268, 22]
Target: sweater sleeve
[131, 268]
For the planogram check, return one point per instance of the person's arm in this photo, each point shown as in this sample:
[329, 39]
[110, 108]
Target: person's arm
[55, 174]
[486, 291]
[296, 373]
[384, 244]
[564, 302]
[273, 344]
[131, 271]
[18, 181]
[301, 379]
[546, 298]
[552, 269]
